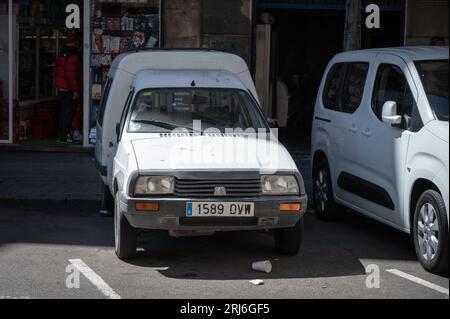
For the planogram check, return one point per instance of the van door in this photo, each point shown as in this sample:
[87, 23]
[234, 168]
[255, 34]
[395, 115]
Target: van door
[113, 144]
[343, 98]
[387, 145]
[99, 130]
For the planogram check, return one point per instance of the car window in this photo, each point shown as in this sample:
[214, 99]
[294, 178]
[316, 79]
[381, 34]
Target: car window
[163, 110]
[333, 85]
[391, 85]
[105, 94]
[434, 77]
[125, 112]
[353, 90]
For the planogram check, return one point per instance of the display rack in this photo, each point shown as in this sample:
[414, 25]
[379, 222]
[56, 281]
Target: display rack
[118, 27]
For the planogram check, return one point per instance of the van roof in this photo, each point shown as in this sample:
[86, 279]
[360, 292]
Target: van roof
[199, 60]
[407, 53]
[186, 79]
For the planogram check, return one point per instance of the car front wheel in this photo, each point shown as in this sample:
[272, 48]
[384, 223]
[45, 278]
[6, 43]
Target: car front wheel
[289, 240]
[324, 204]
[124, 234]
[430, 231]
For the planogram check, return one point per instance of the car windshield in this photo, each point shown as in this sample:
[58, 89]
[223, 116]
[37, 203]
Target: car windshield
[194, 110]
[434, 76]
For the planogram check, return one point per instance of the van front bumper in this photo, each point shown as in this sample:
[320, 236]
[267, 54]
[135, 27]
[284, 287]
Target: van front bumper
[172, 214]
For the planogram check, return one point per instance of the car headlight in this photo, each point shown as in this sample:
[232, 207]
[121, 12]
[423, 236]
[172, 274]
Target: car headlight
[279, 185]
[154, 185]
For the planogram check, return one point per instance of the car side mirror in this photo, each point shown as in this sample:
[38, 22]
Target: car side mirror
[389, 113]
[118, 129]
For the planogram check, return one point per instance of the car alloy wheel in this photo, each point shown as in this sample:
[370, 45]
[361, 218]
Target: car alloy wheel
[428, 231]
[321, 190]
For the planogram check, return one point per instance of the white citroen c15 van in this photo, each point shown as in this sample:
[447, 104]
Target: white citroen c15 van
[380, 143]
[182, 145]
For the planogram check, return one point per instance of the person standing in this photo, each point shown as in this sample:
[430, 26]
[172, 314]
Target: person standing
[68, 76]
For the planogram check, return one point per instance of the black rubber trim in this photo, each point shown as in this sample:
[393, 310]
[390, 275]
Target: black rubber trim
[365, 189]
[322, 119]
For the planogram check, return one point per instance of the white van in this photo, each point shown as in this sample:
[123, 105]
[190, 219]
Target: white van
[182, 145]
[380, 143]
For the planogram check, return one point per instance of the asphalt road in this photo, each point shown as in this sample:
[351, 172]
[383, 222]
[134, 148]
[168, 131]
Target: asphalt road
[37, 242]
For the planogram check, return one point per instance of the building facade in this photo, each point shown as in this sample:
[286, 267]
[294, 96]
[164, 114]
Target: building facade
[286, 43]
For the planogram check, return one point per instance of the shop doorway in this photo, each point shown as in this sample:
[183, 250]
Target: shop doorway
[296, 45]
[39, 34]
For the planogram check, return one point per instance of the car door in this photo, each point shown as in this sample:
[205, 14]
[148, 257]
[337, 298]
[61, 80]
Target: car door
[381, 181]
[347, 142]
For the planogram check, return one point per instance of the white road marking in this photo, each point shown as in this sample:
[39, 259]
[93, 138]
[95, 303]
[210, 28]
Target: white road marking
[419, 281]
[95, 279]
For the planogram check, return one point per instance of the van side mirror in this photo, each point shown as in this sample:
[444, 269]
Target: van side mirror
[272, 123]
[389, 113]
[118, 129]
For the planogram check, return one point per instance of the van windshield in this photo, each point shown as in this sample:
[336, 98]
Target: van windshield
[194, 110]
[434, 76]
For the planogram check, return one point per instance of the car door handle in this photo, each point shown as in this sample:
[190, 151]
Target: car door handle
[367, 132]
[353, 129]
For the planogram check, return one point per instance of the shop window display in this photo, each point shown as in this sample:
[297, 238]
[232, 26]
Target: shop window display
[118, 27]
[4, 70]
[39, 33]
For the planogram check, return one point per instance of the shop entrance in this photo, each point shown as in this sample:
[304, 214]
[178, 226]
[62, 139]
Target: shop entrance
[39, 36]
[297, 42]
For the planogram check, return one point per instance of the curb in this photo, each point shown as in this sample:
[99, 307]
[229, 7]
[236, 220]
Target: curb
[63, 202]
[73, 149]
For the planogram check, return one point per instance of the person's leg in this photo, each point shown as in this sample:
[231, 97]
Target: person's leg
[70, 104]
[62, 114]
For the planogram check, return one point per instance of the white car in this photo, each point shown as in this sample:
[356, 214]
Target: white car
[182, 145]
[380, 143]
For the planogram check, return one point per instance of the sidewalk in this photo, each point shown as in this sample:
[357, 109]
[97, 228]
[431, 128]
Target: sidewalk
[70, 177]
[46, 176]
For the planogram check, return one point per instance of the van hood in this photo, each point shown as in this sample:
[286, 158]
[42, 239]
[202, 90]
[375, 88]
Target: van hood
[439, 129]
[215, 152]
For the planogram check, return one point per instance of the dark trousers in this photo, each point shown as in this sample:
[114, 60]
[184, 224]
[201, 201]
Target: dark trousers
[67, 107]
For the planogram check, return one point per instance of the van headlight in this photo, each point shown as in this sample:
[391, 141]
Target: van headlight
[154, 185]
[279, 185]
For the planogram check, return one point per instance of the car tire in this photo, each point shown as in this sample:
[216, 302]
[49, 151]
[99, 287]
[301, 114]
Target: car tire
[125, 236]
[289, 240]
[430, 232]
[325, 206]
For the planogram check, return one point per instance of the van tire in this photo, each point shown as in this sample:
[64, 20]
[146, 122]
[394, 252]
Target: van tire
[125, 236]
[289, 240]
[325, 206]
[431, 201]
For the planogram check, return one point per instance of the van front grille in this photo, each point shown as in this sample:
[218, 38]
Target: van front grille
[207, 188]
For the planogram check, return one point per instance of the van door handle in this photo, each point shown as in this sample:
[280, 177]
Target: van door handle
[367, 132]
[111, 144]
[353, 129]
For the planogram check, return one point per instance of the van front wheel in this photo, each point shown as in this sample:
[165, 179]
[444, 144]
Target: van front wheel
[125, 236]
[430, 231]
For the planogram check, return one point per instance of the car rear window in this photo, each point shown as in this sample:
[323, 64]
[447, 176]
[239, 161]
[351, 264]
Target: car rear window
[344, 87]
[333, 86]
[354, 86]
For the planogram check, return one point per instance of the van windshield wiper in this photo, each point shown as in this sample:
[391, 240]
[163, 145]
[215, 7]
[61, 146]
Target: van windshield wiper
[164, 125]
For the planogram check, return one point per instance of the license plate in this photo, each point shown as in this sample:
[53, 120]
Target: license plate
[219, 209]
